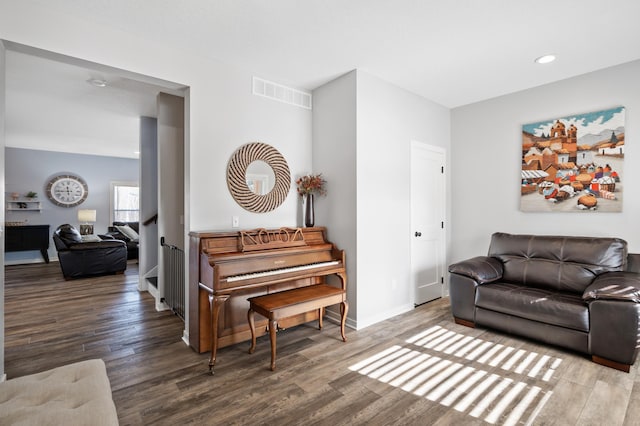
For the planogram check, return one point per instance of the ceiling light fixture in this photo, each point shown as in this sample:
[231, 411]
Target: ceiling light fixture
[97, 82]
[545, 59]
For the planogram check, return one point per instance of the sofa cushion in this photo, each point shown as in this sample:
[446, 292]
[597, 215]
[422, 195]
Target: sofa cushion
[555, 262]
[128, 232]
[537, 304]
[133, 225]
[74, 394]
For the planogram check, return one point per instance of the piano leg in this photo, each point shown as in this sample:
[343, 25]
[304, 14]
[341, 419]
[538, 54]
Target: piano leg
[252, 326]
[320, 316]
[215, 303]
[273, 328]
[344, 308]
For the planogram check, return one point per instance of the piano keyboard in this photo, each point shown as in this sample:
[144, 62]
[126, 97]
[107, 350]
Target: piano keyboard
[242, 277]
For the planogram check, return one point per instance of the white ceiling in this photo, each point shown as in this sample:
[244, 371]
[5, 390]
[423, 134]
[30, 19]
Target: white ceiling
[52, 106]
[451, 52]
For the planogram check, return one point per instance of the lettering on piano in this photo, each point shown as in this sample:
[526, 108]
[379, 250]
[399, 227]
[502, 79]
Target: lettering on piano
[268, 239]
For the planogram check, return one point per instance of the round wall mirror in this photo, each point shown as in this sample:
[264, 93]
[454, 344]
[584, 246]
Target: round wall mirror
[260, 177]
[270, 166]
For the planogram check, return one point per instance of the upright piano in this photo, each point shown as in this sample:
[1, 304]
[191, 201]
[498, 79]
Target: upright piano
[227, 268]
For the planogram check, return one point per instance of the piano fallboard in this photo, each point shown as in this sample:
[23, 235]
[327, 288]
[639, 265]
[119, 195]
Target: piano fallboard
[230, 266]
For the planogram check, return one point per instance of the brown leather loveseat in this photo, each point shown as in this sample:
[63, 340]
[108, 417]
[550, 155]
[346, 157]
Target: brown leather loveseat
[581, 293]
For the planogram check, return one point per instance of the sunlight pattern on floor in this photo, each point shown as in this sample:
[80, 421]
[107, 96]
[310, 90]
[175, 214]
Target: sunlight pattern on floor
[475, 391]
[493, 354]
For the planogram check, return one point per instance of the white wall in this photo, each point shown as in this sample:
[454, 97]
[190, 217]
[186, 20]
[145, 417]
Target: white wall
[171, 169]
[389, 118]
[366, 159]
[170, 186]
[334, 155]
[486, 157]
[148, 250]
[224, 116]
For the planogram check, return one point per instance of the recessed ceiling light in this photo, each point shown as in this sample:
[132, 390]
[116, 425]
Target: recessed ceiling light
[97, 82]
[545, 59]
[136, 152]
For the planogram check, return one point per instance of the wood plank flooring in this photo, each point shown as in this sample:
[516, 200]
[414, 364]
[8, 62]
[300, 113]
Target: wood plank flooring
[417, 368]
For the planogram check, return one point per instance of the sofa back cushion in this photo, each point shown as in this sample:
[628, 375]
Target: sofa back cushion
[133, 225]
[128, 232]
[557, 262]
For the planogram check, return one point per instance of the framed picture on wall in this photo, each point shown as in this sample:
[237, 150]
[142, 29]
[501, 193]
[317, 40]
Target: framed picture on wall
[574, 163]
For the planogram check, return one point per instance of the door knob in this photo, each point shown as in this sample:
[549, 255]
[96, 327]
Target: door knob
[418, 234]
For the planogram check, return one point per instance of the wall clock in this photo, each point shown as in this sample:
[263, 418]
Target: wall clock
[67, 190]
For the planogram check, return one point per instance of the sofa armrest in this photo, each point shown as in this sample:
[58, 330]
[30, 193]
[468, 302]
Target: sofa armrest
[60, 245]
[614, 286]
[482, 269]
[633, 262]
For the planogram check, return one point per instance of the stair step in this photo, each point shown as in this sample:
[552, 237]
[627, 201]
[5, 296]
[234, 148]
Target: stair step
[153, 281]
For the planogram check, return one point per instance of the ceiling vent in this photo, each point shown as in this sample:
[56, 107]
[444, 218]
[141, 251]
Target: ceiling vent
[281, 93]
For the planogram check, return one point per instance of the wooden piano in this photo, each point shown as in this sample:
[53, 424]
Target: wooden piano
[227, 268]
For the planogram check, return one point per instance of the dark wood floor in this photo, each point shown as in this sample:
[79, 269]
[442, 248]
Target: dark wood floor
[416, 368]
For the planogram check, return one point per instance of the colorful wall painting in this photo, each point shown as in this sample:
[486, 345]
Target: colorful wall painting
[574, 163]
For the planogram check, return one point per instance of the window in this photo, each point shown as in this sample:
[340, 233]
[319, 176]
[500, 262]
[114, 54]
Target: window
[125, 202]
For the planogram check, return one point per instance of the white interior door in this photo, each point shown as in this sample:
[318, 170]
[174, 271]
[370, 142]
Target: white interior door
[428, 206]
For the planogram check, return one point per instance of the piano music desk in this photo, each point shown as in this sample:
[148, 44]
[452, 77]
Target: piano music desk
[283, 304]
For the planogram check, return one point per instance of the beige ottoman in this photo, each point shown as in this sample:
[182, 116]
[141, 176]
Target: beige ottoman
[74, 394]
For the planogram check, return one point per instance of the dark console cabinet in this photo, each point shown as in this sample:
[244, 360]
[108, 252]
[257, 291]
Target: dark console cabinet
[28, 237]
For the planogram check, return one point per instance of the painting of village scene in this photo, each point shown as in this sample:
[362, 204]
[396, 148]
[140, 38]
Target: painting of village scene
[574, 163]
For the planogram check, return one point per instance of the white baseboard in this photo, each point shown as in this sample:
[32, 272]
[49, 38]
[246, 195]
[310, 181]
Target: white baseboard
[334, 317]
[366, 322]
[28, 261]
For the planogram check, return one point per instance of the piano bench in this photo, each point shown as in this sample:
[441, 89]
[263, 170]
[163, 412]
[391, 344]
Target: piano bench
[288, 303]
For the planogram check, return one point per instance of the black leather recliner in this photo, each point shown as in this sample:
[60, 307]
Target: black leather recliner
[79, 259]
[581, 293]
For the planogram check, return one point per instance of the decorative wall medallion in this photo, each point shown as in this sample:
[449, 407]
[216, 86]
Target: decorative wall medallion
[67, 190]
[237, 177]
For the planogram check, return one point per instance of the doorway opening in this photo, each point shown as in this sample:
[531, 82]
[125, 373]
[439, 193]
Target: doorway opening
[84, 110]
